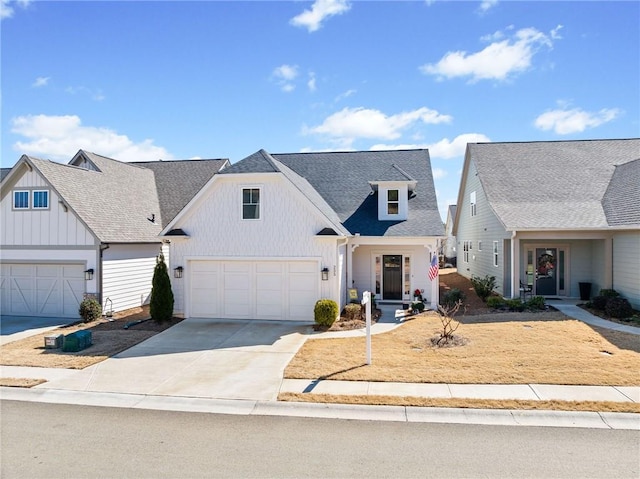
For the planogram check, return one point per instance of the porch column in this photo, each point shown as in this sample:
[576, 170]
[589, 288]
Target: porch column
[435, 284]
[608, 262]
[350, 249]
[515, 265]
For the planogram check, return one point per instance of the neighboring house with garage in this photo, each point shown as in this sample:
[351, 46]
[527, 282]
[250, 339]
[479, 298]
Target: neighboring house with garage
[87, 227]
[272, 234]
[550, 215]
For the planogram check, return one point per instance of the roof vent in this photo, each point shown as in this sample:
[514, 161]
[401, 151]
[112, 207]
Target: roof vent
[152, 218]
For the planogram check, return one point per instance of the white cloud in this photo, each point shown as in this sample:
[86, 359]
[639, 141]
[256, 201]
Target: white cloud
[311, 83]
[284, 75]
[344, 95]
[486, 5]
[60, 137]
[40, 82]
[575, 120]
[7, 10]
[320, 10]
[350, 124]
[445, 148]
[96, 95]
[498, 61]
[439, 173]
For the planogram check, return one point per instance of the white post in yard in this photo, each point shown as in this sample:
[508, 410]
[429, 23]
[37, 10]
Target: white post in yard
[366, 300]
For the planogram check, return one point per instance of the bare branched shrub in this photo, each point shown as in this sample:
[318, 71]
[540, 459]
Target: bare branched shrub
[446, 337]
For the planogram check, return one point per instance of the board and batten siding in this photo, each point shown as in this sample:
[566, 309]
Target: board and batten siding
[484, 227]
[53, 226]
[287, 229]
[127, 275]
[626, 266]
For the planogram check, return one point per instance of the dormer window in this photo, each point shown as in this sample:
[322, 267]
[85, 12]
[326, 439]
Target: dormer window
[392, 202]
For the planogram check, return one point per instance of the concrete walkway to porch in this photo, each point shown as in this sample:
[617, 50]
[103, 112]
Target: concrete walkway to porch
[569, 307]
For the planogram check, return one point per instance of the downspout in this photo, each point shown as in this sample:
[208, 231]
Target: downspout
[100, 278]
[514, 270]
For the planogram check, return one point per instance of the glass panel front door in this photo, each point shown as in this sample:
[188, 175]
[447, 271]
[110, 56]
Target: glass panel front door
[392, 277]
[546, 272]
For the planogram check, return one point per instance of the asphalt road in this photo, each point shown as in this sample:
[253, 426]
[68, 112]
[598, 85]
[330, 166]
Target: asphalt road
[55, 440]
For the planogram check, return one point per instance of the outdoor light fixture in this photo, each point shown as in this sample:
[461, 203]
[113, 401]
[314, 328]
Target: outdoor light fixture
[177, 272]
[325, 274]
[88, 274]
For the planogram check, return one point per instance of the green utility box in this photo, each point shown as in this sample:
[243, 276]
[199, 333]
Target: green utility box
[77, 341]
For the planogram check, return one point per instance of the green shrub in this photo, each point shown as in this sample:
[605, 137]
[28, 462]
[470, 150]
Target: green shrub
[353, 311]
[618, 308]
[483, 286]
[417, 306]
[515, 305]
[609, 293]
[599, 302]
[90, 310]
[451, 297]
[535, 303]
[161, 303]
[495, 302]
[325, 312]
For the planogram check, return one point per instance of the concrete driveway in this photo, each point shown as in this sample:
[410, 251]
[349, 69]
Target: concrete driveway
[207, 358]
[13, 328]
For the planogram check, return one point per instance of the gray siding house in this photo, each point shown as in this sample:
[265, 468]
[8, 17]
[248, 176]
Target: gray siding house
[552, 215]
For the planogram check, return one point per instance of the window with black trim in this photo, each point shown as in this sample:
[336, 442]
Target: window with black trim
[393, 202]
[251, 203]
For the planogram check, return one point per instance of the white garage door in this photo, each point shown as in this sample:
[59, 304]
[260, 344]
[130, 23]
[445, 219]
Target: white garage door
[286, 290]
[42, 289]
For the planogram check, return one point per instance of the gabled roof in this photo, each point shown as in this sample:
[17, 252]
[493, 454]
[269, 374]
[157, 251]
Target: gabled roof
[178, 181]
[115, 203]
[451, 213]
[549, 184]
[4, 172]
[338, 184]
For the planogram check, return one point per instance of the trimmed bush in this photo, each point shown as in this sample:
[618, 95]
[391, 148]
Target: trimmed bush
[483, 286]
[90, 310]
[495, 302]
[451, 297]
[417, 306]
[599, 302]
[161, 303]
[609, 293]
[515, 305]
[353, 311]
[325, 312]
[537, 302]
[618, 307]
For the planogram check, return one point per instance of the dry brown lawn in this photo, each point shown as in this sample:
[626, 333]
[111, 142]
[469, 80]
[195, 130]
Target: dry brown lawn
[109, 338]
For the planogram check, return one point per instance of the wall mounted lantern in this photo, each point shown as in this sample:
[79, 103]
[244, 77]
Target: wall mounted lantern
[177, 272]
[325, 274]
[88, 274]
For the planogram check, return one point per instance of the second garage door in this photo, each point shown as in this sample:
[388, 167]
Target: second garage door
[283, 290]
[42, 289]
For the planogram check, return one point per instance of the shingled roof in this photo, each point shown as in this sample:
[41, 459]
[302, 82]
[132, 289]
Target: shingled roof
[125, 202]
[553, 184]
[177, 182]
[621, 201]
[339, 184]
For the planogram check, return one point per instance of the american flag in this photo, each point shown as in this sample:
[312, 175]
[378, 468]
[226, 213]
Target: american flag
[434, 268]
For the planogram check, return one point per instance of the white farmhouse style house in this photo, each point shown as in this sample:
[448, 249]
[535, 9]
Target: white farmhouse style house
[272, 234]
[551, 215]
[89, 227]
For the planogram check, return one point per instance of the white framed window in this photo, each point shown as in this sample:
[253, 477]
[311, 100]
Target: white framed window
[21, 200]
[250, 203]
[465, 249]
[40, 199]
[472, 201]
[393, 202]
[479, 245]
[495, 253]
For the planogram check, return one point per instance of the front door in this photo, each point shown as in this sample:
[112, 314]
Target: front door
[546, 271]
[392, 277]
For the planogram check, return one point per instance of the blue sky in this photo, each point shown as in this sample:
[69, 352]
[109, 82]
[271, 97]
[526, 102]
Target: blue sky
[143, 80]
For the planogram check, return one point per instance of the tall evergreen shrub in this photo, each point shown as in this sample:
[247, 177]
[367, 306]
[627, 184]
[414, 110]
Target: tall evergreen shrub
[161, 305]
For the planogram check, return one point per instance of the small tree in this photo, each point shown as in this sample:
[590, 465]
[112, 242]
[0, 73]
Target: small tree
[161, 304]
[446, 337]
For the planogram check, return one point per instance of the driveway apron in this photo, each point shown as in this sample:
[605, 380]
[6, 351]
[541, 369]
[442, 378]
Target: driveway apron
[207, 358]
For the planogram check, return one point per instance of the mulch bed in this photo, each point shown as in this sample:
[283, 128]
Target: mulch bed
[472, 304]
